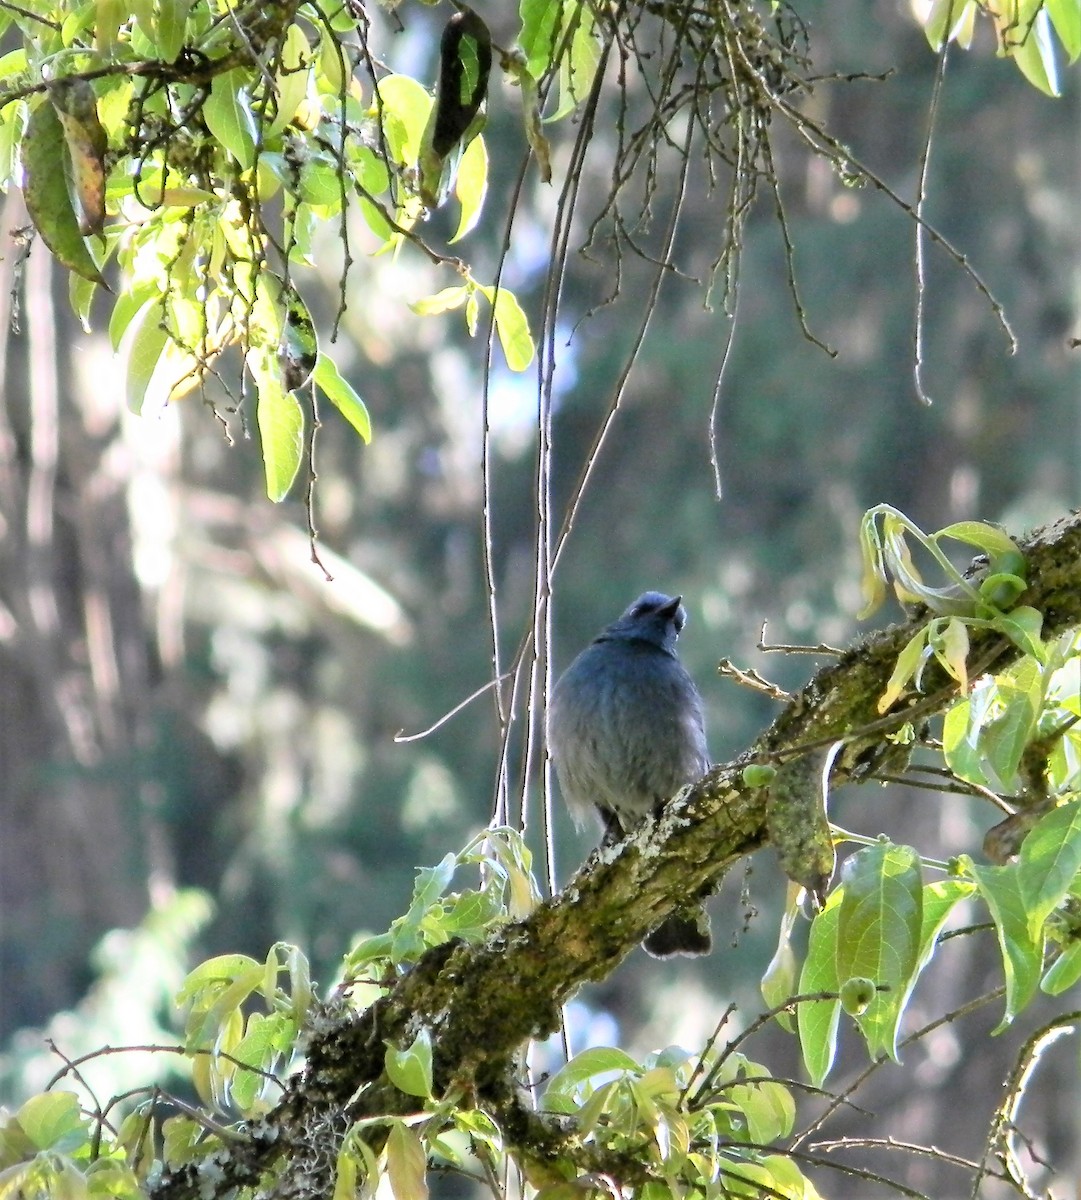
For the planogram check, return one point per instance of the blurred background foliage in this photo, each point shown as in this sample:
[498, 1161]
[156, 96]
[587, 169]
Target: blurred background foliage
[185, 703]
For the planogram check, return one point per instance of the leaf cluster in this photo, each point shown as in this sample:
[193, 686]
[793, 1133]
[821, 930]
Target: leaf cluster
[414, 1065]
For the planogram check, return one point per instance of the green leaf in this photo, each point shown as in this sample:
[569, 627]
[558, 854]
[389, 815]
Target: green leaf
[214, 974]
[265, 1037]
[300, 982]
[330, 382]
[950, 644]
[578, 65]
[228, 116]
[127, 306]
[1023, 627]
[320, 183]
[216, 990]
[787, 1180]
[142, 348]
[768, 1107]
[442, 301]
[989, 538]
[962, 731]
[1003, 741]
[1022, 955]
[347, 1175]
[939, 900]
[470, 915]
[1034, 55]
[1049, 863]
[87, 143]
[407, 1163]
[1064, 972]
[1001, 589]
[81, 293]
[817, 1020]
[779, 979]
[13, 121]
[471, 186]
[170, 27]
[430, 884]
[598, 1060]
[873, 573]
[410, 1070]
[281, 426]
[291, 79]
[404, 107]
[1066, 18]
[513, 328]
[52, 1121]
[180, 1139]
[46, 164]
[542, 21]
[878, 934]
[908, 663]
[942, 11]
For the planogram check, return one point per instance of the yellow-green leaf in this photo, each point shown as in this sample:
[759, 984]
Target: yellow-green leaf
[403, 106]
[951, 648]
[471, 186]
[513, 328]
[1034, 54]
[1066, 18]
[281, 427]
[291, 79]
[908, 663]
[52, 1121]
[229, 118]
[338, 391]
[440, 302]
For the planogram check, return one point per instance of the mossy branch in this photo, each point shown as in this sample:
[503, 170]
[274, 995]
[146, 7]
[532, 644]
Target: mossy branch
[480, 1003]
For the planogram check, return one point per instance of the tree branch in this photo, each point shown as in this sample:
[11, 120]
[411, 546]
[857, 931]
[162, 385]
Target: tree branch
[480, 1003]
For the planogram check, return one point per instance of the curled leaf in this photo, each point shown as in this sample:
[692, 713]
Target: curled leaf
[456, 117]
[298, 348]
[77, 107]
[534, 131]
[465, 60]
[46, 161]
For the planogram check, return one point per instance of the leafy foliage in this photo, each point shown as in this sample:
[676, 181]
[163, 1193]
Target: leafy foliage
[199, 149]
[191, 151]
[1025, 32]
[677, 1119]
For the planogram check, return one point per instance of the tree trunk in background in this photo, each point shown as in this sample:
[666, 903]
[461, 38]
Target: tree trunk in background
[74, 675]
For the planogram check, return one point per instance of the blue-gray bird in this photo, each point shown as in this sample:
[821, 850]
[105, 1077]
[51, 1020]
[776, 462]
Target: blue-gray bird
[625, 731]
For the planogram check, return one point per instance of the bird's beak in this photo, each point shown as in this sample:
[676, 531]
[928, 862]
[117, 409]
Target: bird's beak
[672, 607]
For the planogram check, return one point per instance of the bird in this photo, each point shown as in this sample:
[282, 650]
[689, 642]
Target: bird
[626, 732]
